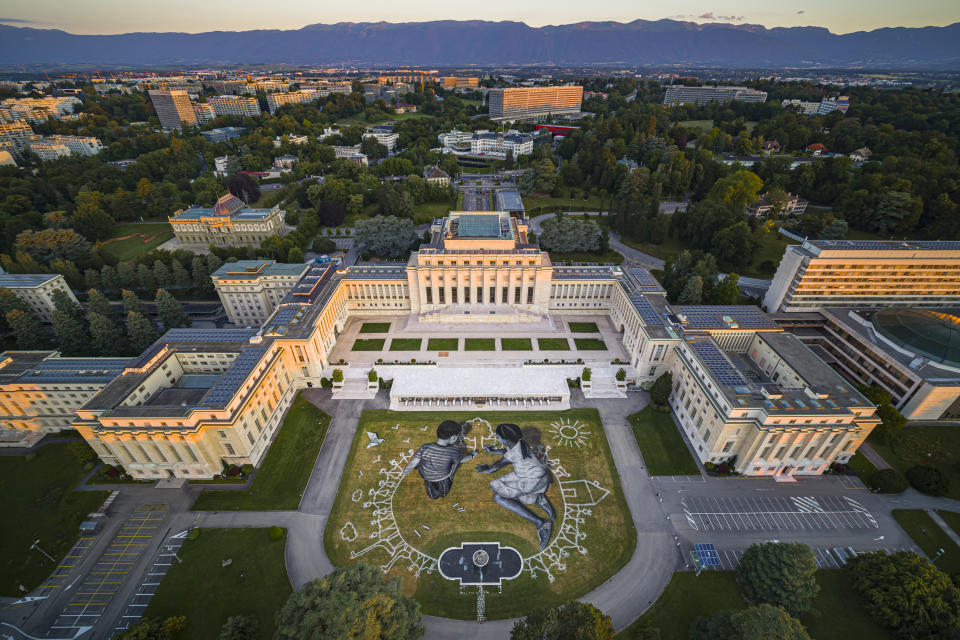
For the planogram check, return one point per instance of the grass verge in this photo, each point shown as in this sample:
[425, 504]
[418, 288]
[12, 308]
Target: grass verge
[38, 503]
[584, 327]
[285, 469]
[375, 327]
[935, 446]
[862, 466]
[661, 444]
[930, 537]
[368, 344]
[479, 344]
[255, 584]
[405, 344]
[443, 344]
[516, 344]
[553, 344]
[590, 344]
[952, 518]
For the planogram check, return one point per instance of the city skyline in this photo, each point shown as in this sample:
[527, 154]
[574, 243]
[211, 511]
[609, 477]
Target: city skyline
[110, 16]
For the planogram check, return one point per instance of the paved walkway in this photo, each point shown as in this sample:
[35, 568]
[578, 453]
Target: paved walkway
[873, 456]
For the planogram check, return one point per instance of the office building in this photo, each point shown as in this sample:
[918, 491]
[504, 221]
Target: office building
[853, 273]
[173, 108]
[534, 103]
[499, 144]
[822, 108]
[204, 112]
[456, 139]
[454, 82]
[678, 94]
[386, 138]
[234, 106]
[78, 145]
[229, 223]
[250, 290]
[36, 290]
[222, 134]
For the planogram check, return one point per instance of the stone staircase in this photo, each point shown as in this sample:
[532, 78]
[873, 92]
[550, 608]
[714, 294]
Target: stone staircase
[355, 389]
[603, 386]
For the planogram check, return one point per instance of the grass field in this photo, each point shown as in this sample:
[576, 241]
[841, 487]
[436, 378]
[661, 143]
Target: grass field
[952, 518]
[535, 205]
[443, 344]
[863, 467]
[425, 212]
[405, 344]
[936, 446]
[368, 344]
[479, 344]
[553, 344]
[610, 537]
[38, 503]
[930, 537]
[837, 613]
[609, 256]
[375, 327]
[590, 344]
[149, 236]
[516, 344]
[285, 469]
[584, 327]
[704, 125]
[255, 584]
[661, 444]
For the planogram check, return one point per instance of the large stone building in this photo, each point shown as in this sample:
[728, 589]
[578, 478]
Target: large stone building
[518, 104]
[36, 290]
[853, 273]
[229, 223]
[251, 289]
[173, 108]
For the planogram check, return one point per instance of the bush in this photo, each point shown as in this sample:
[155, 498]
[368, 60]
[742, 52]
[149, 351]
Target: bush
[888, 481]
[246, 469]
[660, 390]
[233, 471]
[193, 534]
[30, 456]
[372, 376]
[325, 382]
[276, 532]
[621, 374]
[337, 375]
[585, 376]
[928, 480]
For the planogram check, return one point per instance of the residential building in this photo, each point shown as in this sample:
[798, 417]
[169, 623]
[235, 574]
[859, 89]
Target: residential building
[454, 82]
[386, 138]
[292, 139]
[286, 162]
[173, 108]
[234, 106]
[825, 106]
[498, 144]
[436, 175]
[19, 134]
[861, 155]
[36, 290]
[792, 206]
[771, 146]
[250, 290]
[38, 110]
[78, 145]
[402, 107]
[49, 151]
[351, 153]
[817, 149]
[226, 165]
[387, 93]
[679, 94]
[222, 134]
[534, 103]
[204, 112]
[456, 139]
[277, 100]
[229, 223]
[6, 159]
[866, 273]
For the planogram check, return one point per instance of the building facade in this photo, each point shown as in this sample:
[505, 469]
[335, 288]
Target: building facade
[498, 144]
[173, 108]
[791, 206]
[78, 145]
[38, 110]
[250, 290]
[18, 134]
[456, 82]
[852, 273]
[36, 290]
[534, 103]
[278, 99]
[228, 223]
[678, 94]
[234, 106]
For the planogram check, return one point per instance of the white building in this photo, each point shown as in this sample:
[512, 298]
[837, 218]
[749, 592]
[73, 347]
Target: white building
[37, 110]
[277, 100]
[234, 106]
[679, 94]
[387, 139]
[204, 112]
[226, 165]
[250, 290]
[19, 134]
[455, 139]
[49, 151]
[36, 290]
[498, 144]
[78, 145]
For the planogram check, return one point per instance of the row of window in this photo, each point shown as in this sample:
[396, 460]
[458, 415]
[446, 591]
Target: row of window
[456, 297]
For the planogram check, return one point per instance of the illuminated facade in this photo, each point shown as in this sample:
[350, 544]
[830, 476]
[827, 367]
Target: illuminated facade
[173, 108]
[227, 223]
[250, 290]
[36, 290]
[532, 103]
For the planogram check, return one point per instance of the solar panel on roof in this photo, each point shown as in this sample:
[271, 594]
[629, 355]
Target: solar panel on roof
[647, 311]
[207, 335]
[707, 554]
[233, 377]
[717, 363]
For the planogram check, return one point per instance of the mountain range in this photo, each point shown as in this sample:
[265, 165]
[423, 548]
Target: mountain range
[448, 43]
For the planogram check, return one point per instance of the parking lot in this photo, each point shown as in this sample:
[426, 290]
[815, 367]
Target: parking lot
[825, 557]
[775, 513]
[162, 561]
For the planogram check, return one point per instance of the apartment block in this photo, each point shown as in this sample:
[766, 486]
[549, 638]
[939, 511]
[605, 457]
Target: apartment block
[853, 273]
[204, 112]
[38, 110]
[455, 82]
[250, 290]
[277, 100]
[234, 106]
[173, 108]
[386, 138]
[19, 135]
[36, 290]
[678, 94]
[78, 145]
[534, 103]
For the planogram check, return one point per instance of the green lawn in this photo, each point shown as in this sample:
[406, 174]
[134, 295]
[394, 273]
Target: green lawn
[132, 247]
[38, 503]
[285, 469]
[863, 467]
[584, 327]
[553, 344]
[936, 446]
[255, 584]
[838, 613]
[443, 344]
[704, 125]
[661, 444]
[479, 344]
[952, 518]
[930, 537]
[425, 212]
[590, 344]
[516, 344]
[405, 344]
[369, 344]
[535, 205]
[375, 327]
[583, 256]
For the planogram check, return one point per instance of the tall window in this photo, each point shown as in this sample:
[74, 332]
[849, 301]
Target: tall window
[493, 296]
[440, 291]
[453, 294]
[516, 295]
[479, 295]
[529, 295]
[429, 295]
[466, 295]
[505, 295]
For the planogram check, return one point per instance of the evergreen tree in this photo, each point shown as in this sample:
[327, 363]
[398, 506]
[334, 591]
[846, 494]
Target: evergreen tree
[62, 301]
[295, 255]
[92, 279]
[27, 329]
[127, 273]
[692, 292]
[200, 273]
[161, 274]
[71, 337]
[781, 574]
[170, 311]
[213, 262]
[69, 271]
[140, 332]
[145, 280]
[98, 303]
[111, 281]
[131, 303]
[180, 276]
[105, 337]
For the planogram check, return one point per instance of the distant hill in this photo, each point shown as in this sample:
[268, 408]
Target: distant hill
[456, 43]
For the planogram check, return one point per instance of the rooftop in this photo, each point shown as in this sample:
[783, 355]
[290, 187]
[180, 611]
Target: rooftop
[38, 367]
[844, 247]
[252, 269]
[15, 280]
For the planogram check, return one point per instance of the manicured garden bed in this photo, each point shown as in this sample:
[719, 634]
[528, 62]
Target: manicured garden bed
[516, 344]
[443, 344]
[590, 344]
[553, 344]
[405, 344]
[584, 327]
[369, 344]
[479, 344]
[375, 327]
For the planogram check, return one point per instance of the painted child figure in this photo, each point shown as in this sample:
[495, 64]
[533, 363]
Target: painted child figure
[526, 484]
[438, 461]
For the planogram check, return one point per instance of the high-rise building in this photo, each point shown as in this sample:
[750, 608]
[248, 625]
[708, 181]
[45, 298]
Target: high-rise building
[235, 106]
[173, 108]
[455, 82]
[18, 134]
[868, 273]
[679, 94]
[48, 151]
[533, 103]
[37, 110]
[204, 111]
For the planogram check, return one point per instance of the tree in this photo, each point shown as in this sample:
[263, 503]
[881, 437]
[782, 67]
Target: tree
[928, 480]
[181, 277]
[779, 573]
[145, 279]
[105, 337]
[161, 274]
[738, 189]
[49, 244]
[127, 274]
[156, 629]
[63, 301]
[111, 281]
[89, 219]
[91, 279]
[762, 622]
[331, 214]
[888, 481]
[295, 255]
[692, 292]
[908, 594]
[239, 628]
[573, 620]
[726, 291]
[384, 236]
[27, 329]
[71, 336]
[661, 388]
[350, 602]
[98, 303]
[170, 311]
[373, 148]
[566, 234]
[244, 187]
[140, 331]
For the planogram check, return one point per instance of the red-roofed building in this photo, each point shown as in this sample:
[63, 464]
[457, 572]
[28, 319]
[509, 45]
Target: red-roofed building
[817, 148]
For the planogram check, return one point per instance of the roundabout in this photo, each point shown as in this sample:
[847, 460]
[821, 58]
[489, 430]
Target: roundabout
[385, 518]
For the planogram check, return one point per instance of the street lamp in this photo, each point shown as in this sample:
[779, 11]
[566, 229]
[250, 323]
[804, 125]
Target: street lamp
[36, 546]
[939, 553]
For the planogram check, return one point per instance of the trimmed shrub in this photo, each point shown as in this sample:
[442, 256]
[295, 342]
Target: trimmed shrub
[888, 481]
[928, 480]
[621, 374]
[276, 532]
[372, 376]
[337, 375]
[325, 382]
[585, 376]
[246, 469]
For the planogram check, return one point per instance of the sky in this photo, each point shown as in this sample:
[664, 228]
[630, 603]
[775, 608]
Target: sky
[123, 16]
